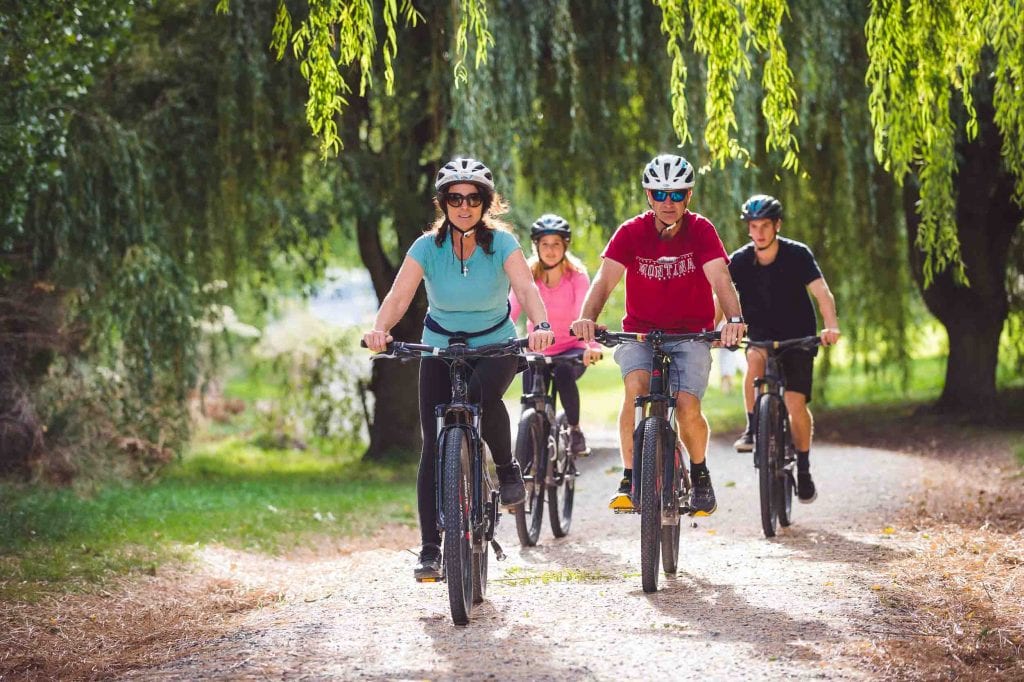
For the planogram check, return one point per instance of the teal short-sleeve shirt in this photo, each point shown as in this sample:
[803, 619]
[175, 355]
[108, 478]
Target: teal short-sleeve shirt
[469, 302]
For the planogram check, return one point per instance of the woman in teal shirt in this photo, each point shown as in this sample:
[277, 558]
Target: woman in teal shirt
[468, 261]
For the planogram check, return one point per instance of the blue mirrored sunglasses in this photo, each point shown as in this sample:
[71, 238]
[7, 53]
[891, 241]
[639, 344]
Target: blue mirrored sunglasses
[676, 195]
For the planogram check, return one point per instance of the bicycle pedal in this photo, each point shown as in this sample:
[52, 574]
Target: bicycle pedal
[430, 580]
[498, 553]
[585, 453]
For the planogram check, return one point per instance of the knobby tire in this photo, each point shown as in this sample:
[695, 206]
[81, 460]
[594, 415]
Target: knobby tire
[765, 446]
[652, 447]
[458, 548]
[563, 492]
[531, 453]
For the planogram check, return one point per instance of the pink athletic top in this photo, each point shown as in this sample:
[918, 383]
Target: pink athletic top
[563, 304]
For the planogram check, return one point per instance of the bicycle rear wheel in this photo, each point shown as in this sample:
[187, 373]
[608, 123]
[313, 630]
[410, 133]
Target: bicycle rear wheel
[652, 446]
[786, 486]
[765, 445]
[458, 548]
[531, 453]
[563, 492]
[480, 573]
[670, 532]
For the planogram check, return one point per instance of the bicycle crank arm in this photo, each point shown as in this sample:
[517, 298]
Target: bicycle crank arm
[498, 553]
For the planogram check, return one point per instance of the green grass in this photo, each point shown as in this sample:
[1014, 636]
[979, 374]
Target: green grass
[226, 492]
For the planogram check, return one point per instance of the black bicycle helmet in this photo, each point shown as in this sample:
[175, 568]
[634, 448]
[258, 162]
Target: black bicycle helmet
[761, 206]
[549, 223]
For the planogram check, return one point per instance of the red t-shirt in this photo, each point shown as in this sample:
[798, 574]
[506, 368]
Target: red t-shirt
[666, 287]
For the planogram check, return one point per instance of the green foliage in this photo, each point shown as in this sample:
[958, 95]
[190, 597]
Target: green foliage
[52, 54]
[336, 35]
[920, 53]
[180, 158]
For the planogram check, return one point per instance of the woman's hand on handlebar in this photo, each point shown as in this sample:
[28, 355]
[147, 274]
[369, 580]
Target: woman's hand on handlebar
[377, 340]
[539, 339]
[591, 356]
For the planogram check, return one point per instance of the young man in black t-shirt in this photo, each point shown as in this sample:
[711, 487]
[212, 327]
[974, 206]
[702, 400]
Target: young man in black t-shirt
[773, 275]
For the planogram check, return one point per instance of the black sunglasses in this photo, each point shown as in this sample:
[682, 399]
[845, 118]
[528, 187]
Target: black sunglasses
[455, 199]
[660, 195]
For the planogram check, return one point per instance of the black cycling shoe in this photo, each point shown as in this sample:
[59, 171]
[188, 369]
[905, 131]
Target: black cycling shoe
[511, 488]
[745, 443]
[702, 497]
[805, 490]
[428, 568]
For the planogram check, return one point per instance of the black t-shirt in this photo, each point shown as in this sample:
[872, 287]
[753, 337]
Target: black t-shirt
[774, 297]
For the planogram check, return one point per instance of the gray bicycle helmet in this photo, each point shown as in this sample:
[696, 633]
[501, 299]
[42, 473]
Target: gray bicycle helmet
[549, 223]
[761, 206]
[668, 171]
[464, 169]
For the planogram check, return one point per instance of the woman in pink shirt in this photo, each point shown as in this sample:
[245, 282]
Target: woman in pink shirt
[563, 282]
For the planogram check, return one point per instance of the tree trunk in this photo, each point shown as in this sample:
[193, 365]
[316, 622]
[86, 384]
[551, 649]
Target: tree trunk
[973, 315]
[395, 179]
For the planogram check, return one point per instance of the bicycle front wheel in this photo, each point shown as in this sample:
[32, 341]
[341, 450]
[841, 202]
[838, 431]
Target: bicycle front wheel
[531, 453]
[458, 548]
[765, 447]
[652, 452]
[563, 492]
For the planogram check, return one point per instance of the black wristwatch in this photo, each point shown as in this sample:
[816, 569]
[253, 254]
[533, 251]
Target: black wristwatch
[543, 326]
[735, 319]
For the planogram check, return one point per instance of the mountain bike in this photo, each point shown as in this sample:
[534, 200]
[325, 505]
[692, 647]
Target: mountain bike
[467, 500]
[542, 450]
[661, 481]
[774, 454]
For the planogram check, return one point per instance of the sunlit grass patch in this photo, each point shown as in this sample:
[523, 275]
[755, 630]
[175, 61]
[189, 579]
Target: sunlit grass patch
[227, 492]
[518, 576]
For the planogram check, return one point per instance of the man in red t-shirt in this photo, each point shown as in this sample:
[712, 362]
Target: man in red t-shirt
[673, 259]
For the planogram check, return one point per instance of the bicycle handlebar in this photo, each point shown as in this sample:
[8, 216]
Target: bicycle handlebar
[399, 349]
[806, 342]
[553, 359]
[610, 339]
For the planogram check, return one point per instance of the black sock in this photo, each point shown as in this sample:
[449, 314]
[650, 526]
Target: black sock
[803, 462]
[627, 473]
[701, 468]
[750, 422]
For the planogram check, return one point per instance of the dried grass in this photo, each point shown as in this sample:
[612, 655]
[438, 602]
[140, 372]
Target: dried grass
[138, 623]
[956, 600]
[135, 624]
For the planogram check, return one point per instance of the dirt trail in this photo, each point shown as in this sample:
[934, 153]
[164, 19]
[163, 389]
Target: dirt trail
[742, 607]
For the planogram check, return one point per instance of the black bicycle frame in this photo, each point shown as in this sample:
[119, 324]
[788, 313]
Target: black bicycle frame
[460, 413]
[774, 381]
[659, 404]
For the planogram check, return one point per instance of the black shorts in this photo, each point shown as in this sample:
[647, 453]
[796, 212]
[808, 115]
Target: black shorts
[798, 371]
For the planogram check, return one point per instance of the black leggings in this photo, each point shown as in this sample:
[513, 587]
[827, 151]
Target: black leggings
[495, 375]
[565, 381]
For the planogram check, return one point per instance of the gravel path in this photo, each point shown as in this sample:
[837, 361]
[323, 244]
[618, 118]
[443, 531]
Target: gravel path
[742, 607]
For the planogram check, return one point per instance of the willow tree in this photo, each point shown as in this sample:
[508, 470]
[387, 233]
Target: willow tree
[946, 80]
[944, 102]
[155, 151]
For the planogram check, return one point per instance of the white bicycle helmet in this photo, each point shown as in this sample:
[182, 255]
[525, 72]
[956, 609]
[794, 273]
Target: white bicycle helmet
[464, 169]
[668, 171]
